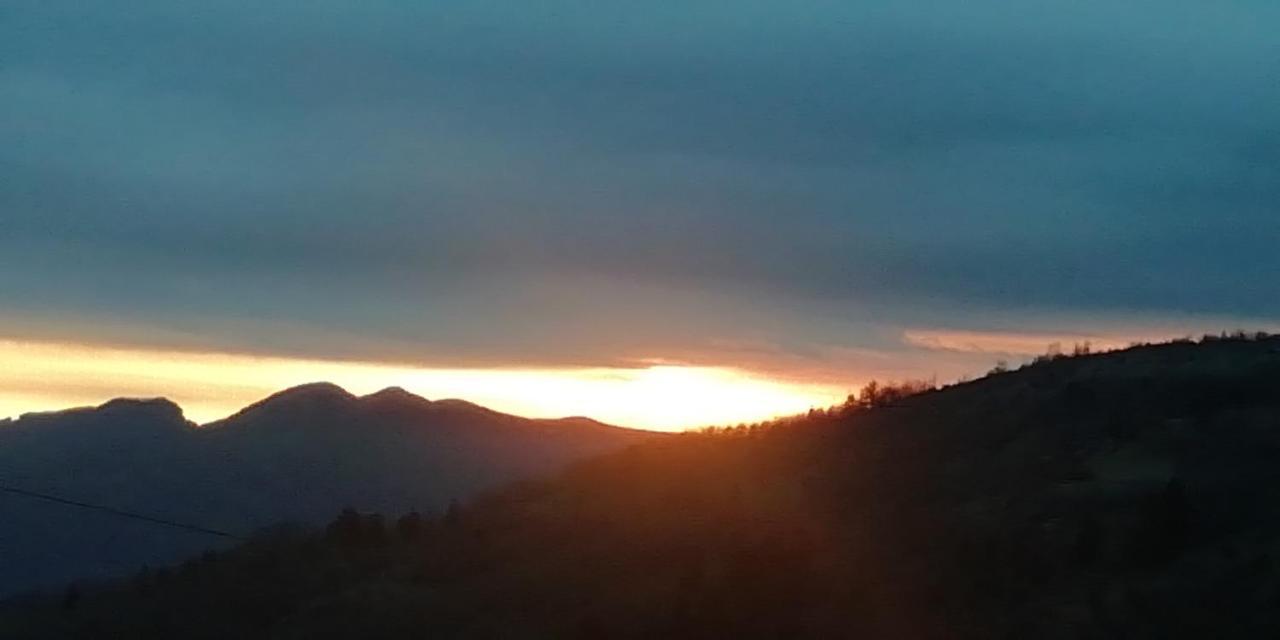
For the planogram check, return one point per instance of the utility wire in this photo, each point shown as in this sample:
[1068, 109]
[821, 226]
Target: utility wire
[118, 512]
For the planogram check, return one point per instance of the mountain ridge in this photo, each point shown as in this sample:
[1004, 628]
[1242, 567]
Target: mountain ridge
[297, 455]
[324, 392]
[1092, 496]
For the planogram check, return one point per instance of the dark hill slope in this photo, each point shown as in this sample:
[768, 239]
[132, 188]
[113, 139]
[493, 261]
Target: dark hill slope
[297, 456]
[1126, 495]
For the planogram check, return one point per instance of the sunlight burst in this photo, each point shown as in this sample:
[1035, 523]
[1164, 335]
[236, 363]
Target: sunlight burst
[39, 376]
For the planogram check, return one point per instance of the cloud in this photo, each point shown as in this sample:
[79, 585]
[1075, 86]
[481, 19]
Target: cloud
[600, 183]
[1021, 344]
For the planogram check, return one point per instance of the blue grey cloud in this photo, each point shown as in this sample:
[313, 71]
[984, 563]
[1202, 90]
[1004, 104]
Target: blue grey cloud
[530, 180]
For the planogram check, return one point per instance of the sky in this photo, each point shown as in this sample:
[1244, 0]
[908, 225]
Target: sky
[795, 196]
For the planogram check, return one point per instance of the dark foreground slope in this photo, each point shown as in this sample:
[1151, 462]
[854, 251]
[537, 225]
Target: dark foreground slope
[297, 456]
[1133, 494]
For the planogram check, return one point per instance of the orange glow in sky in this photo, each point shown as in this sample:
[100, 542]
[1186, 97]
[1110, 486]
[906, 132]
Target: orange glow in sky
[43, 376]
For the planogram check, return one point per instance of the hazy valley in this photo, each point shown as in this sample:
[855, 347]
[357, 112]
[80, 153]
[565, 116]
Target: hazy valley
[298, 456]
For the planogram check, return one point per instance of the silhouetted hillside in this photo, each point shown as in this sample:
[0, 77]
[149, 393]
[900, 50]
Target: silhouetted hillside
[297, 456]
[1133, 494]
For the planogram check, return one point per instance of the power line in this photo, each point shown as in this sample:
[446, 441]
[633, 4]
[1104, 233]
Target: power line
[118, 512]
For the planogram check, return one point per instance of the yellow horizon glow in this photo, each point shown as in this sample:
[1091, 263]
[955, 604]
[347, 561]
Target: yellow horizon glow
[50, 376]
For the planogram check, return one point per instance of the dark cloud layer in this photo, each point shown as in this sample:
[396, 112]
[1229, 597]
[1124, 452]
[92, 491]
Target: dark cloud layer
[585, 181]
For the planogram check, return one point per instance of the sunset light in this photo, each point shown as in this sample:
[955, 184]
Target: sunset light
[42, 376]
[880, 319]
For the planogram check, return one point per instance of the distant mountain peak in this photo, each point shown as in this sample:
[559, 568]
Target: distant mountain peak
[300, 401]
[313, 391]
[313, 395]
[146, 413]
[395, 399]
[162, 405]
[159, 406]
[396, 394]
